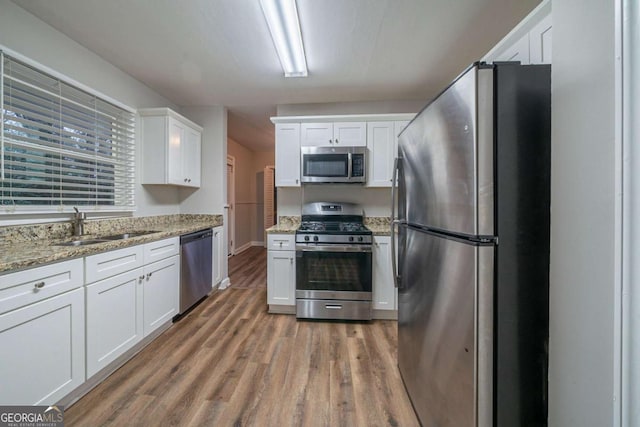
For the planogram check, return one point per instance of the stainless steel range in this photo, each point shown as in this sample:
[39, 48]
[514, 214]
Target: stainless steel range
[333, 263]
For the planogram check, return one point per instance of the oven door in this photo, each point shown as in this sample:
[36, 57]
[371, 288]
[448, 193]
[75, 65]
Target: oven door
[333, 272]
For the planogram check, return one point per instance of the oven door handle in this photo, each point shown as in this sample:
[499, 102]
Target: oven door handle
[334, 248]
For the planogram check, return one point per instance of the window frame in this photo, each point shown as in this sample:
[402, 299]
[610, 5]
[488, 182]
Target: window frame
[130, 179]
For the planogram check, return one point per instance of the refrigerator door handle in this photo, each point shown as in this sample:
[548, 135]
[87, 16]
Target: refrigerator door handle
[394, 222]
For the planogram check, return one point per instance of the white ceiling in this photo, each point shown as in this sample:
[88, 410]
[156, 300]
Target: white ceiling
[219, 52]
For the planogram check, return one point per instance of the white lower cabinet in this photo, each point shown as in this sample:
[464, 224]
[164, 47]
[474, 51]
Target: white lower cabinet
[123, 309]
[114, 318]
[42, 333]
[281, 270]
[161, 293]
[384, 290]
[42, 350]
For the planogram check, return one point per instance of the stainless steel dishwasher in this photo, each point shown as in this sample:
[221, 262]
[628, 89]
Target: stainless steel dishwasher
[195, 267]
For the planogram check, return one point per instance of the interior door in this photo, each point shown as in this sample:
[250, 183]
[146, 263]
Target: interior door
[231, 213]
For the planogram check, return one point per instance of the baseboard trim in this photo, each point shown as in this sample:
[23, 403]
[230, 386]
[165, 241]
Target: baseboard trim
[247, 245]
[282, 309]
[385, 314]
[224, 284]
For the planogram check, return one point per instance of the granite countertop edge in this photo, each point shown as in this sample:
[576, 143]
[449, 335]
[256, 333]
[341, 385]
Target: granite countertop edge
[24, 255]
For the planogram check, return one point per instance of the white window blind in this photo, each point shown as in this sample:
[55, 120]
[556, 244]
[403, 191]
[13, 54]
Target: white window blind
[61, 146]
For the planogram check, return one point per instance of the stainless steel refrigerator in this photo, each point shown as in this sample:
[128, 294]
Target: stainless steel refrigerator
[473, 249]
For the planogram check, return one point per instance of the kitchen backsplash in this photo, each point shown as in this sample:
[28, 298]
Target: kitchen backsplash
[61, 230]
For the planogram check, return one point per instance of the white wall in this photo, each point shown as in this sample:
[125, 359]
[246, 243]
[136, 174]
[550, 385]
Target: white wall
[581, 386]
[375, 201]
[25, 34]
[211, 197]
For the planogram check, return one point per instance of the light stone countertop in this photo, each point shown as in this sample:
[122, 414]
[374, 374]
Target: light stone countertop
[379, 226]
[20, 253]
[285, 225]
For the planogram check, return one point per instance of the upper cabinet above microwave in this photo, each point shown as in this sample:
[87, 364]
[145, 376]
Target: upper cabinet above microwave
[171, 147]
[344, 134]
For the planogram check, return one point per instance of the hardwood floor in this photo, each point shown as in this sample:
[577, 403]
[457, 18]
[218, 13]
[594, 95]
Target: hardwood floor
[249, 268]
[230, 363]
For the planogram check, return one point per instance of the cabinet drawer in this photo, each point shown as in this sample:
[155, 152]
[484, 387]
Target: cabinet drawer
[101, 266]
[161, 249]
[26, 287]
[284, 242]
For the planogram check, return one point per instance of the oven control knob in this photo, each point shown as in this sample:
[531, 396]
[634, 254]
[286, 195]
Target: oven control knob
[306, 238]
[360, 239]
[351, 238]
[315, 238]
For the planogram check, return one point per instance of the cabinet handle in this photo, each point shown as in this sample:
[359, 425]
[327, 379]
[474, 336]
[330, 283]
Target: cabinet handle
[280, 244]
[336, 140]
[185, 180]
[149, 275]
[331, 141]
[296, 181]
[39, 285]
[189, 179]
[141, 278]
[291, 260]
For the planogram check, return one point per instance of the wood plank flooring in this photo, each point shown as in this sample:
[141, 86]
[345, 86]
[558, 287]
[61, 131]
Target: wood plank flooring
[230, 363]
[249, 268]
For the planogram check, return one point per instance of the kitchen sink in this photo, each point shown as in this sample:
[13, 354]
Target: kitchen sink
[127, 235]
[81, 242]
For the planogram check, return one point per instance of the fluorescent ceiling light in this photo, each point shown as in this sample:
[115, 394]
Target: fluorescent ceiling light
[282, 18]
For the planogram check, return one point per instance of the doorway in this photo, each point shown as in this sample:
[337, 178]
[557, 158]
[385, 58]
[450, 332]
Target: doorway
[231, 196]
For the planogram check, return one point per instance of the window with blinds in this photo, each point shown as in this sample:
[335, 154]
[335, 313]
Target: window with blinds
[61, 146]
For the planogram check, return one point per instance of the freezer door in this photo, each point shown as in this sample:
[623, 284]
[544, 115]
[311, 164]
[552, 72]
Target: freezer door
[447, 159]
[445, 329]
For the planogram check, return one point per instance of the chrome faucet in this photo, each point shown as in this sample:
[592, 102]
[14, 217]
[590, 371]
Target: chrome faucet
[78, 222]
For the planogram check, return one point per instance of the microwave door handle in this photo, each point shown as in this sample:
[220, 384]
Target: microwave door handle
[349, 165]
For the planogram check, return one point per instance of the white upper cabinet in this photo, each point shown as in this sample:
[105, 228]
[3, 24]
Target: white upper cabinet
[529, 42]
[351, 134]
[540, 42]
[316, 134]
[519, 51]
[346, 134]
[171, 148]
[382, 145]
[288, 155]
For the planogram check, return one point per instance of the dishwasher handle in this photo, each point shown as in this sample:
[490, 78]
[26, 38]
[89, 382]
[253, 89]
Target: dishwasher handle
[192, 237]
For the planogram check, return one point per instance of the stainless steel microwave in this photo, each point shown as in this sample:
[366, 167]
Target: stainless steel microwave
[333, 164]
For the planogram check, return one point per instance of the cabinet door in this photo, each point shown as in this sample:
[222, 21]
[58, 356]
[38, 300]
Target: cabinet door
[218, 253]
[288, 155]
[540, 42]
[519, 51]
[161, 293]
[114, 318]
[381, 145]
[191, 158]
[42, 350]
[281, 277]
[384, 292]
[174, 152]
[350, 134]
[316, 134]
